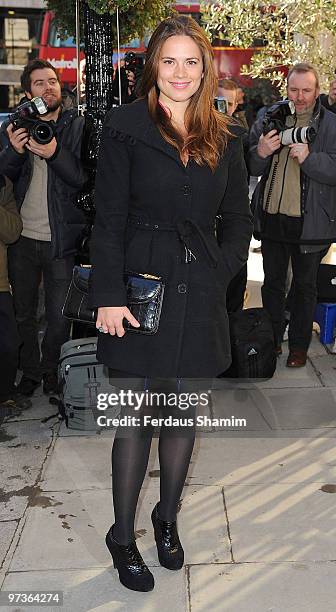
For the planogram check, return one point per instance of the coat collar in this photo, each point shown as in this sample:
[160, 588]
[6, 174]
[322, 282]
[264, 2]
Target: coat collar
[134, 121]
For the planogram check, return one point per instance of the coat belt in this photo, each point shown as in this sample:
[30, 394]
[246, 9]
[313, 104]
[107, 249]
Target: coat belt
[185, 229]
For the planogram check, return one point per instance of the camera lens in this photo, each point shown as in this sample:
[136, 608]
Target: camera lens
[42, 132]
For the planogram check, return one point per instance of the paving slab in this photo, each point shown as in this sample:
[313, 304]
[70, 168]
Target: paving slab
[316, 348]
[219, 461]
[325, 366]
[23, 448]
[298, 408]
[7, 530]
[273, 409]
[291, 378]
[100, 590]
[79, 463]
[262, 587]
[16, 431]
[282, 522]
[73, 529]
[240, 404]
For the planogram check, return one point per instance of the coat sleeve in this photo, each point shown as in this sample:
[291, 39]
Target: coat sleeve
[321, 166]
[10, 220]
[112, 190]
[235, 212]
[67, 164]
[256, 164]
[11, 161]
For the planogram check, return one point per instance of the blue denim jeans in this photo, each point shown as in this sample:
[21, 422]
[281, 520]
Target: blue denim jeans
[30, 262]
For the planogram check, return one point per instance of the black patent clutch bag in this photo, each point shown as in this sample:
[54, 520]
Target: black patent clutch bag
[144, 299]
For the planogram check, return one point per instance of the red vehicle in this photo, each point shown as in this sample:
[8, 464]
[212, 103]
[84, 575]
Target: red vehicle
[62, 53]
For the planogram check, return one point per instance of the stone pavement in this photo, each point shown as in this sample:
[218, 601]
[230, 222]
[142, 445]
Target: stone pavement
[257, 513]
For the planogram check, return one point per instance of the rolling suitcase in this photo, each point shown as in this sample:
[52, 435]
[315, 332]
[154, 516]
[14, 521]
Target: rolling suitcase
[81, 378]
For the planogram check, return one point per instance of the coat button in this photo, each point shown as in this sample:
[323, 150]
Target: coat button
[186, 190]
[182, 288]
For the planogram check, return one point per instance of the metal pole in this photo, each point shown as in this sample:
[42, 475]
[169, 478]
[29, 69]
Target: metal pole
[78, 53]
[118, 47]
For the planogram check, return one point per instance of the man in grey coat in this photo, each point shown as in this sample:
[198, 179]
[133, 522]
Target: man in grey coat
[294, 207]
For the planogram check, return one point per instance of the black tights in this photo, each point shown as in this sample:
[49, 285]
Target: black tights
[130, 455]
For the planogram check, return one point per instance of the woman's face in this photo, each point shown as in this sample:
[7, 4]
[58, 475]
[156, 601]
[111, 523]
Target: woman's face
[180, 69]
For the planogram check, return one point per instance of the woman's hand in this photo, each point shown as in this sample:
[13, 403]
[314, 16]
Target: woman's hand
[110, 320]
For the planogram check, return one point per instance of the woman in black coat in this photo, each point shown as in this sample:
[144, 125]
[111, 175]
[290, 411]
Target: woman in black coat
[169, 163]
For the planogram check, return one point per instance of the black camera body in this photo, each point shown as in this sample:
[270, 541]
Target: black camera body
[275, 119]
[276, 115]
[27, 116]
[130, 61]
[133, 63]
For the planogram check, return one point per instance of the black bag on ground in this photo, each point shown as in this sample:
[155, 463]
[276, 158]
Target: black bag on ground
[252, 345]
[326, 289]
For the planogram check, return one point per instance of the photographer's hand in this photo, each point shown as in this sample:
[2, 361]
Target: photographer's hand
[45, 151]
[268, 144]
[110, 320]
[299, 151]
[18, 138]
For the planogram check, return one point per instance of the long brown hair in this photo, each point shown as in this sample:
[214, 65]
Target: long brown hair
[208, 130]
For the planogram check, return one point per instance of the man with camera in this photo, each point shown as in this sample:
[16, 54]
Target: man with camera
[41, 147]
[130, 75]
[329, 100]
[294, 150]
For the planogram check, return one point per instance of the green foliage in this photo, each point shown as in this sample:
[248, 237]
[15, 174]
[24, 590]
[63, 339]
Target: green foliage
[291, 30]
[135, 16]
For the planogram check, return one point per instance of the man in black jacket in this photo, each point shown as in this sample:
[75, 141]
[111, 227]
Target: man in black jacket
[295, 208]
[46, 178]
[329, 100]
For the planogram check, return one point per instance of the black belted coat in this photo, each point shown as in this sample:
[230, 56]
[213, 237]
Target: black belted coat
[151, 210]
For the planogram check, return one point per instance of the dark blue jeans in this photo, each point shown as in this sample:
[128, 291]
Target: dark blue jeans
[30, 261]
[9, 346]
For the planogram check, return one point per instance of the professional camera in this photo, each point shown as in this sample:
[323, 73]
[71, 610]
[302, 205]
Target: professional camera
[221, 104]
[26, 116]
[275, 119]
[301, 134]
[276, 115]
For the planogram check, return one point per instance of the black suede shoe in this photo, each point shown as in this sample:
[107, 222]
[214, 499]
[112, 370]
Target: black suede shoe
[27, 386]
[133, 572]
[50, 383]
[170, 551]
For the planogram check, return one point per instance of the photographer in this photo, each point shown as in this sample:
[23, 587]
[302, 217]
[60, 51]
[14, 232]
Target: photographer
[130, 75]
[295, 202]
[46, 173]
[329, 100]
